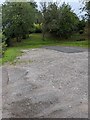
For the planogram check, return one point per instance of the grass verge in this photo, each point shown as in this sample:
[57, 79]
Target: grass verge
[10, 55]
[35, 41]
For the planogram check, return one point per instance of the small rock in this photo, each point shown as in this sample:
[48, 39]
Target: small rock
[51, 102]
[70, 106]
[28, 104]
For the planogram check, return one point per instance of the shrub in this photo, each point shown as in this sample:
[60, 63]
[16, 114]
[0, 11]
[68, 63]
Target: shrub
[60, 21]
[2, 49]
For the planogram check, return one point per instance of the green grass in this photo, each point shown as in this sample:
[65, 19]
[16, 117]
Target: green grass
[10, 55]
[35, 41]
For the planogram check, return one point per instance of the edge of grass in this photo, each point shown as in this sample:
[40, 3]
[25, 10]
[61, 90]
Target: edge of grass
[35, 41]
[10, 55]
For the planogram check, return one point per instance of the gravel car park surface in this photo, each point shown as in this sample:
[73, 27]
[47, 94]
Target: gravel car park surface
[47, 83]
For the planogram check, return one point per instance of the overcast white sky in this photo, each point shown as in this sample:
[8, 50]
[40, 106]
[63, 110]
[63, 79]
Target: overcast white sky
[75, 4]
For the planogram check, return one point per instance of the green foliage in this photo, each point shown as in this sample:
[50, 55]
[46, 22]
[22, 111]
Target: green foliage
[2, 49]
[60, 21]
[2, 45]
[10, 54]
[88, 16]
[35, 41]
[87, 7]
[38, 17]
[37, 28]
[81, 26]
[17, 19]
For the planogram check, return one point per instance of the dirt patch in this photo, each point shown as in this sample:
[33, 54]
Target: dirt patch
[54, 85]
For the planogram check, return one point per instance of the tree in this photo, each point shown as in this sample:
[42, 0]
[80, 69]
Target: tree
[38, 17]
[60, 21]
[44, 24]
[0, 18]
[17, 19]
[87, 7]
[81, 26]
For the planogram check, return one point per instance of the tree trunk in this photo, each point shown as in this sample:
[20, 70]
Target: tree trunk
[18, 39]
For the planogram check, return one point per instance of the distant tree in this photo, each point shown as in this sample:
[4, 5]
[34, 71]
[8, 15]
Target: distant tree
[88, 16]
[38, 17]
[81, 26]
[60, 21]
[0, 18]
[44, 24]
[17, 20]
[87, 9]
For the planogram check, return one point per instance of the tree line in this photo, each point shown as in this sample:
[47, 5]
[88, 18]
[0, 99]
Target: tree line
[19, 19]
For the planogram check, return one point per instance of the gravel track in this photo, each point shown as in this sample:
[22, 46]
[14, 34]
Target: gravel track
[46, 83]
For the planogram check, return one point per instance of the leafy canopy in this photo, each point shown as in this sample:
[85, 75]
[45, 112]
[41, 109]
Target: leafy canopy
[60, 21]
[17, 19]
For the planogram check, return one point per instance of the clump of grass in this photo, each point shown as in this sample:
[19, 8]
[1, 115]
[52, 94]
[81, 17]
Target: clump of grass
[10, 55]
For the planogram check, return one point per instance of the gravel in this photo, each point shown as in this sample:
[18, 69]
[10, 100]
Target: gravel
[47, 83]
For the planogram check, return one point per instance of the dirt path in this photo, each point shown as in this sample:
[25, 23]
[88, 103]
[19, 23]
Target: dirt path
[46, 83]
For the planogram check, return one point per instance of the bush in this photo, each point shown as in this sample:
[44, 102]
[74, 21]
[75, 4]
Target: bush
[60, 21]
[2, 44]
[2, 49]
